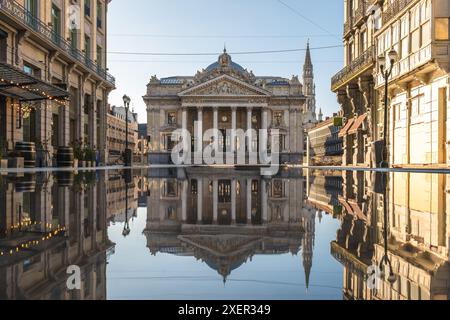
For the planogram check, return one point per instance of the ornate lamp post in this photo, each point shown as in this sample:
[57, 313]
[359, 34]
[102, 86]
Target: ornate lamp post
[128, 153]
[386, 73]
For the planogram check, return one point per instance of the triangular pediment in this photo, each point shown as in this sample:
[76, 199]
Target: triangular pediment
[225, 85]
[221, 245]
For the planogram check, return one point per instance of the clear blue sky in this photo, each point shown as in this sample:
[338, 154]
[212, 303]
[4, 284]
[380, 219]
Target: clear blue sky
[181, 26]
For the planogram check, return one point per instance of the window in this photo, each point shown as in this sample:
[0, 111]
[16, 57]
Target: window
[31, 8]
[87, 8]
[171, 213]
[172, 118]
[87, 46]
[397, 112]
[99, 56]
[56, 23]
[73, 39]
[415, 106]
[442, 29]
[3, 45]
[415, 29]
[99, 14]
[170, 189]
[28, 70]
[194, 187]
[278, 118]
[170, 144]
[404, 35]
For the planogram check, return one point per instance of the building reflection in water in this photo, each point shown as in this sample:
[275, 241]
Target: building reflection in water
[47, 223]
[224, 218]
[418, 230]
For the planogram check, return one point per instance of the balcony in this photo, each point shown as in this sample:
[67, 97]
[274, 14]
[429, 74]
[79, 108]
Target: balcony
[393, 9]
[359, 65]
[361, 11]
[348, 26]
[19, 14]
[409, 64]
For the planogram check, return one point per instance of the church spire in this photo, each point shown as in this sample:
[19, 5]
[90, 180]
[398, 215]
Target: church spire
[308, 61]
[309, 88]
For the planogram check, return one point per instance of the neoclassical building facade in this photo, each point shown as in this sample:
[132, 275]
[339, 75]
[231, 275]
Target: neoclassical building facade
[226, 96]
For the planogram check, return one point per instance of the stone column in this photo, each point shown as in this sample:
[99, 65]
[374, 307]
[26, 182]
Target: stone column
[215, 201]
[216, 119]
[265, 122]
[264, 201]
[200, 200]
[184, 203]
[249, 201]
[233, 201]
[200, 129]
[233, 133]
[249, 127]
[184, 119]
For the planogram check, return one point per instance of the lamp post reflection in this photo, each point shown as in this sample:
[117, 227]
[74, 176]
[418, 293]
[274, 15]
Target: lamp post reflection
[126, 227]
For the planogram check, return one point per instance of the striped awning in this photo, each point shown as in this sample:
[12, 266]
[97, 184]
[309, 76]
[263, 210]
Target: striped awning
[344, 130]
[19, 85]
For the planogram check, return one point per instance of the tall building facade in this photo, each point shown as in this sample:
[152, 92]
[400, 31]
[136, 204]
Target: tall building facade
[116, 133]
[417, 231]
[226, 96]
[418, 31]
[55, 83]
[354, 84]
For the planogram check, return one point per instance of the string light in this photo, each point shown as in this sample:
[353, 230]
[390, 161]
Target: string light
[29, 244]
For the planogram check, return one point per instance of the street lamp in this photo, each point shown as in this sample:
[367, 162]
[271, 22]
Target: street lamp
[386, 72]
[128, 154]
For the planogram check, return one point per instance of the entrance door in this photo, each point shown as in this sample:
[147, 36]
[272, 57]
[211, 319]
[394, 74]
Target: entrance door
[442, 126]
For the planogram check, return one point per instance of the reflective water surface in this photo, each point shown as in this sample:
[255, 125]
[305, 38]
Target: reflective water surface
[225, 234]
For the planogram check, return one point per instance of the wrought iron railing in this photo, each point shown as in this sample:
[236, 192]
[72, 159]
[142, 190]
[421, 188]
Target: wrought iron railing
[393, 9]
[23, 16]
[363, 61]
[360, 13]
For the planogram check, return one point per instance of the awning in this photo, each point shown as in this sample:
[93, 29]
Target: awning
[357, 124]
[345, 129]
[346, 205]
[353, 209]
[357, 211]
[17, 84]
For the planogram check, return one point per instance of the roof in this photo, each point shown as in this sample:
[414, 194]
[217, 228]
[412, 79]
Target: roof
[233, 65]
[171, 80]
[321, 125]
[120, 111]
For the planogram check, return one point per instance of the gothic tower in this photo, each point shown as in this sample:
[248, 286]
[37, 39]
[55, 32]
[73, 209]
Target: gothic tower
[309, 88]
[309, 226]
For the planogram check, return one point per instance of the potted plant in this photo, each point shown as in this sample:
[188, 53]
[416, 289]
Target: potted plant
[89, 156]
[78, 153]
